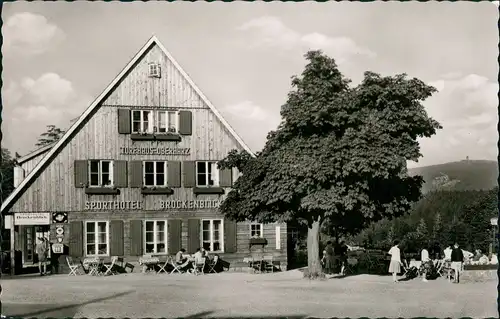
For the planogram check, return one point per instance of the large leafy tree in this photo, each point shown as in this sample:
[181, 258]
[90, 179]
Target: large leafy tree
[52, 135]
[339, 154]
[6, 173]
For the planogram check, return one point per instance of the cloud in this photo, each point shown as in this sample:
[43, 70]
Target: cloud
[33, 103]
[30, 34]
[253, 122]
[467, 108]
[272, 32]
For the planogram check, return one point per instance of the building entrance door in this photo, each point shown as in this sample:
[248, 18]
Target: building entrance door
[31, 234]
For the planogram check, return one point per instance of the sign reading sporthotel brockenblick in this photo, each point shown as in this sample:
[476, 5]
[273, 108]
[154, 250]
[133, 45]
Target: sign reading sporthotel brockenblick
[162, 205]
[154, 151]
[189, 204]
[113, 205]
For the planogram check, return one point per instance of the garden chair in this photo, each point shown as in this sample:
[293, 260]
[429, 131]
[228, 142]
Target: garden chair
[268, 264]
[351, 265]
[163, 265]
[198, 266]
[174, 265]
[109, 266]
[86, 270]
[211, 265]
[74, 269]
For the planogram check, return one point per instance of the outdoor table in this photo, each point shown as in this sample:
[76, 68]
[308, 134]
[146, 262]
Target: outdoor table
[415, 263]
[148, 262]
[93, 263]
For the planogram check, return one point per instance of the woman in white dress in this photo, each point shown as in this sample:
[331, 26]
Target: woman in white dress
[395, 265]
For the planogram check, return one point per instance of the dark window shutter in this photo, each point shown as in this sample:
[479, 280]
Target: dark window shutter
[229, 236]
[185, 123]
[116, 237]
[136, 240]
[225, 178]
[120, 175]
[124, 122]
[174, 236]
[193, 235]
[174, 174]
[81, 168]
[189, 173]
[76, 239]
[135, 172]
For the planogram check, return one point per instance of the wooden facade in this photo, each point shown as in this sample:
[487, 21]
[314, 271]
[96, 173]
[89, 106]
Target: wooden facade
[61, 180]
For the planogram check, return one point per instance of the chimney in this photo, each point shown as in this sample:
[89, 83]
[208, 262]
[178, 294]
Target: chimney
[18, 175]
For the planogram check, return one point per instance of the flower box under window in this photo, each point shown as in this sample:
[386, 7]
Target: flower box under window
[157, 191]
[171, 137]
[258, 241]
[208, 190]
[102, 191]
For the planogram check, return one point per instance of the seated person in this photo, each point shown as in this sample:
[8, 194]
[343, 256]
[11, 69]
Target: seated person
[204, 252]
[198, 258]
[181, 260]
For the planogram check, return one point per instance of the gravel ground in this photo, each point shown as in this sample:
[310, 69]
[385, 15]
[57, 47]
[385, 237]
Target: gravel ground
[243, 295]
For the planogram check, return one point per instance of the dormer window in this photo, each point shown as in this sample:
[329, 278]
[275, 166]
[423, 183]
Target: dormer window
[154, 70]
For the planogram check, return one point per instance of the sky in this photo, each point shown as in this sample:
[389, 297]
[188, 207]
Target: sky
[59, 56]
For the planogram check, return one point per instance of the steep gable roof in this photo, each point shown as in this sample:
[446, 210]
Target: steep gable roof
[35, 153]
[89, 111]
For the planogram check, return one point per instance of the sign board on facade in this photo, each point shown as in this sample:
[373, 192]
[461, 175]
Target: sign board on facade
[113, 205]
[57, 248]
[154, 151]
[32, 219]
[59, 218]
[190, 204]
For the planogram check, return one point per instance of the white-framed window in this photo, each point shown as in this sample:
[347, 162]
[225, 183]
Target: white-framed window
[101, 173]
[155, 173]
[212, 237]
[155, 237]
[96, 238]
[207, 174]
[256, 230]
[154, 70]
[155, 121]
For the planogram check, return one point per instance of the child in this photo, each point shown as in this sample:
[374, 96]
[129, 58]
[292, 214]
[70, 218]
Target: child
[395, 265]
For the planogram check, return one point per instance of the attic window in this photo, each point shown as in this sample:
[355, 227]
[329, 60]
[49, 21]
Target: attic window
[154, 70]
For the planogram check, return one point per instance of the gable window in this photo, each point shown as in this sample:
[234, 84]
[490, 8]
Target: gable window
[154, 70]
[256, 230]
[155, 173]
[212, 235]
[101, 173]
[96, 238]
[149, 121]
[207, 174]
[155, 237]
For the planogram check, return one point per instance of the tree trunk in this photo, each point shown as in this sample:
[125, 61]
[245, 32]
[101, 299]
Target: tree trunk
[314, 269]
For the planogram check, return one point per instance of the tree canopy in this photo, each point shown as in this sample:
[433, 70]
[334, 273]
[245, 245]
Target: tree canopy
[52, 135]
[339, 153]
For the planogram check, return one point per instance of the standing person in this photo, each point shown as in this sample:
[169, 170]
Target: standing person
[395, 265]
[343, 257]
[457, 258]
[424, 257]
[41, 252]
[447, 253]
[329, 258]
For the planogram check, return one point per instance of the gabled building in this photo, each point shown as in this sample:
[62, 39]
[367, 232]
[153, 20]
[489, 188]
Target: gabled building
[136, 174]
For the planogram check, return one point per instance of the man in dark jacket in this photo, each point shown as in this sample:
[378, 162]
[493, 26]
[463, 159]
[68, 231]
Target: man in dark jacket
[457, 259]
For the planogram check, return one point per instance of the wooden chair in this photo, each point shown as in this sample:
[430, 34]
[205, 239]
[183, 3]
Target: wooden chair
[268, 262]
[199, 265]
[211, 265]
[351, 266]
[74, 269]
[109, 266]
[163, 265]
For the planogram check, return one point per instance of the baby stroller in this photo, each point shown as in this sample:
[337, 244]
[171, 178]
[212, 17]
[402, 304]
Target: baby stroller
[430, 270]
[411, 273]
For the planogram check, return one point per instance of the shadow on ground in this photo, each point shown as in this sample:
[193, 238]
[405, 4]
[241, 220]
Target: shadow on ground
[27, 310]
[206, 314]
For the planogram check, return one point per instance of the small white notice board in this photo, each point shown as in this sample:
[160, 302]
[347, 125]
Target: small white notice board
[32, 219]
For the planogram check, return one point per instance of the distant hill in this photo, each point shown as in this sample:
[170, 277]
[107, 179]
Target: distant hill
[462, 175]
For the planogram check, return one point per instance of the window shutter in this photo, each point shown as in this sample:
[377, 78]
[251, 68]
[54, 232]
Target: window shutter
[81, 168]
[76, 239]
[174, 236]
[189, 174]
[116, 237]
[193, 235]
[136, 240]
[174, 174]
[229, 236]
[135, 172]
[120, 174]
[185, 123]
[124, 121]
[226, 177]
